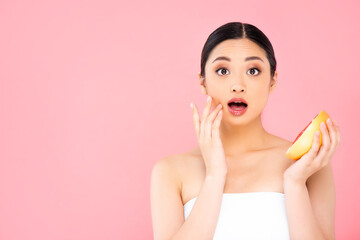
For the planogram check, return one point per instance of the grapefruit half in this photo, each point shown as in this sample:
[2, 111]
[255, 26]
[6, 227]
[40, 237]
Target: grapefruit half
[302, 143]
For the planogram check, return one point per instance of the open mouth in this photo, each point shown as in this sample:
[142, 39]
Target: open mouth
[237, 105]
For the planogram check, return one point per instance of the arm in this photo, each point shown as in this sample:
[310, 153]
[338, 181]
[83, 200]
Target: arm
[309, 189]
[310, 209]
[168, 211]
[321, 189]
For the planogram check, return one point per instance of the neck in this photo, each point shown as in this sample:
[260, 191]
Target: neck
[240, 139]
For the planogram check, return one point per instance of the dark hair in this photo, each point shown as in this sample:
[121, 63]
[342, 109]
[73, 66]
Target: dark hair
[238, 30]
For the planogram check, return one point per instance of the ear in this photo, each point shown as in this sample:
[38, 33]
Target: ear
[273, 82]
[203, 84]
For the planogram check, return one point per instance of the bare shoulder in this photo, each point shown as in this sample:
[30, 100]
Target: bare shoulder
[281, 145]
[167, 167]
[280, 142]
[176, 166]
[166, 199]
[175, 162]
[165, 196]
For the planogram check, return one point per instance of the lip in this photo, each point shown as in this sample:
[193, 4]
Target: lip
[237, 112]
[237, 100]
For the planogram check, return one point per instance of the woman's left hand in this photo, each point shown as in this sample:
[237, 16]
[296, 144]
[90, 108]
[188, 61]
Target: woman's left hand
[316, 158]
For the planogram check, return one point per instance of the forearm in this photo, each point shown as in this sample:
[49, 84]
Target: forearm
[202, 220]
[301, 218]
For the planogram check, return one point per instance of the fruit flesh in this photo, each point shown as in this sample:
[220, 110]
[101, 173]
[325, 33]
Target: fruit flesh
[303, 141]
[303, 130]
[301, 133]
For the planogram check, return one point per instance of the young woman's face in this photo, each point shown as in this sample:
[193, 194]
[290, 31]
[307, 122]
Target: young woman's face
[224, 79]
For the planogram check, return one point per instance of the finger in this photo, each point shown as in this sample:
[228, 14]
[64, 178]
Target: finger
[325, 146]
[214, 113]
[206, 121]
[325, 136]
[333, 137]
[210, 120]
[215, 129]
[314, 146]
[321, 158]
[206, 109]
[196, 119]
[204, 117]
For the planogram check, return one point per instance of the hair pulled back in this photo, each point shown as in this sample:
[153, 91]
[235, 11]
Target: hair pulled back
[238, 30]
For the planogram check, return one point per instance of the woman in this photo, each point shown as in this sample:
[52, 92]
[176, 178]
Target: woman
[238, 183]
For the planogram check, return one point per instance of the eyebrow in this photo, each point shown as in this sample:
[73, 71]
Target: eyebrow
[246, 59]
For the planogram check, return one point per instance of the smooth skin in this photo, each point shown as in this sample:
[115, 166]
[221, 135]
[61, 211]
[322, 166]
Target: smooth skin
[316, 158]
[236, 154]
[167, 212]
[207, 132]
[309, 188]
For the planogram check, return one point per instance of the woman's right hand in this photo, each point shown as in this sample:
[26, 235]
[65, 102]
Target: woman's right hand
[207, 131]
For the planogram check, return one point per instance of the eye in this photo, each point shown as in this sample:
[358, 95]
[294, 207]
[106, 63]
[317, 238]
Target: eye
[253, 71]
[221, 71]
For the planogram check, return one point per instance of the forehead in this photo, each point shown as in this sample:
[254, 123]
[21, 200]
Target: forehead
[237, 50]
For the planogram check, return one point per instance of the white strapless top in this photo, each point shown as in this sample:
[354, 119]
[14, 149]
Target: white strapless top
[252, 215]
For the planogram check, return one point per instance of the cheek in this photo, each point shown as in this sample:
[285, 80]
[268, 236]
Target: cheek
[216, 87]
[260, 94]
[264, 96]
[263, 92]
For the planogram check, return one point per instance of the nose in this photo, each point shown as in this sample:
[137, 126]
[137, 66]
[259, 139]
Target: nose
[238, 88]
[238, 83]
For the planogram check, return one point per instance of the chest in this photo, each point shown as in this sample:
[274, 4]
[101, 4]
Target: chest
[259, 173]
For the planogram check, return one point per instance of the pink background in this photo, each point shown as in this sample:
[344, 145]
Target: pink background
[93, 93]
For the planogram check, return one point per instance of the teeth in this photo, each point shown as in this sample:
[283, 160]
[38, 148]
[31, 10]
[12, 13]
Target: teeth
[237, 102]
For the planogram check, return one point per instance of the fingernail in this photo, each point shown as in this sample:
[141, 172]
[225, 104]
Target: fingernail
[208, 99]
[322, 124]
[329, 122]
